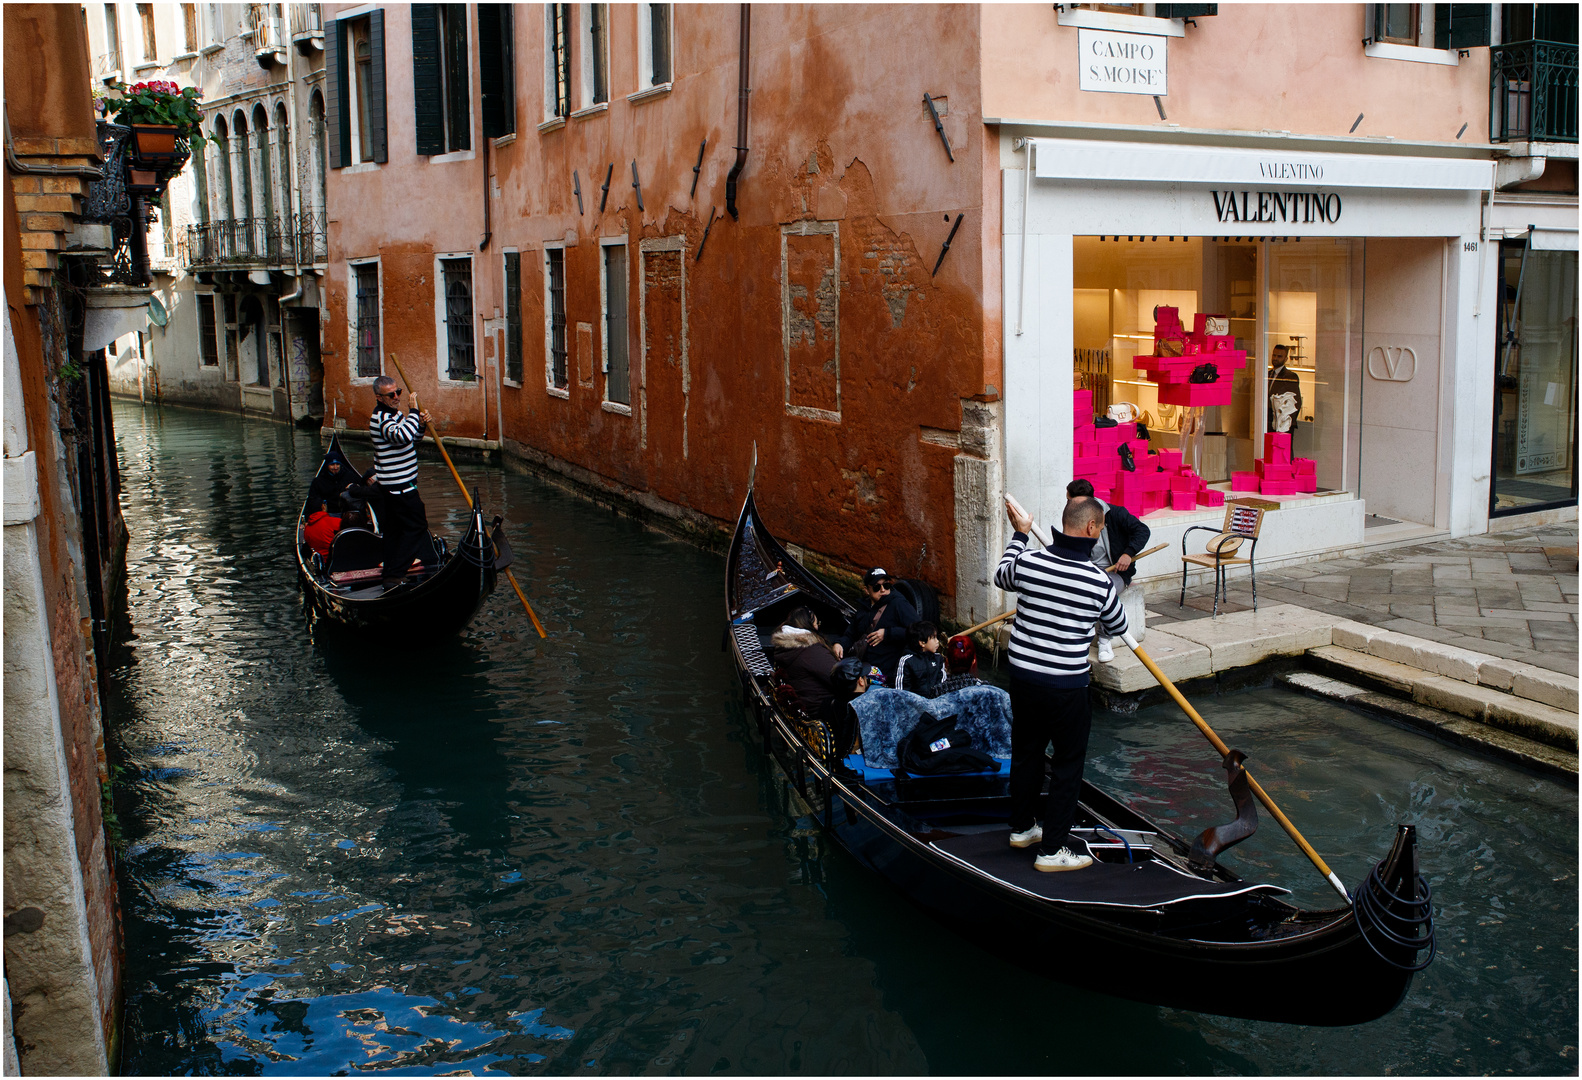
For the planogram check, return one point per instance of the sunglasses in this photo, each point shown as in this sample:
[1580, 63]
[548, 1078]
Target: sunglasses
[391, 393]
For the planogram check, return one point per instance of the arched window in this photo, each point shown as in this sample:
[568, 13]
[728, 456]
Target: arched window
[241, 179]
[318, 156]
[221, 151]
[263, 194]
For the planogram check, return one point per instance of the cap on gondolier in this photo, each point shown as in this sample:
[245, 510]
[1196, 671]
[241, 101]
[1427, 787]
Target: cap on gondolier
[876, 575]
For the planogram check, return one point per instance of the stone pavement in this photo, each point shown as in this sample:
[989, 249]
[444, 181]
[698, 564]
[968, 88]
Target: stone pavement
[1511, 595]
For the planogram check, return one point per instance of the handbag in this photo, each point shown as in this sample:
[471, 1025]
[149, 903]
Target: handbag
[1204, 373]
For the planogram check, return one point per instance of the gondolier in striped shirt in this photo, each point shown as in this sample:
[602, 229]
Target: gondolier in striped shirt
[1060, 595]
[402, 517]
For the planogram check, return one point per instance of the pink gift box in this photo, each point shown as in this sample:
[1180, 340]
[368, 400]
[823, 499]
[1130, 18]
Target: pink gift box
[1132, 500]
[1183, 500]
[1304, 466]
[1108, 436]
[1170, 459]
[1082, 402]
[1154, 481]
[1243, 481]
[1154, 500]
[1087, 466]
[1183, 483]
[1210, 497]
[1083, 432]
[1268, 470]
[1307, 483]
[1278, 487]
[1276, 447]
[1194, 394]
[1086, 448]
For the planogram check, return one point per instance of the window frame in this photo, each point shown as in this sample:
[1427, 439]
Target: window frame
[353, 318]
[150, 34]
[112, 37]
[513, 314]
[647, 82]
[504, 76]
[593, 50]
[1419, 51]
[450, 96]
[606, 245]
[192, 35]
[442, 318]
[557, 65]
[208, 340]
[553, 250]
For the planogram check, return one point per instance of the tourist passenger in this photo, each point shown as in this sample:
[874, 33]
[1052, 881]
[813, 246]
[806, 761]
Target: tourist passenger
[877, 633]
[402, 516]
[806, 661]
[1123, 537]
[961, 664]
[1060, 595]
[337, 476]
[922, 669]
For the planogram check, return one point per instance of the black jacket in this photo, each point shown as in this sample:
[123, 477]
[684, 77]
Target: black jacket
[895, 618]
[808, 665]
[921, 672]
[326, 490]
[1124, 535]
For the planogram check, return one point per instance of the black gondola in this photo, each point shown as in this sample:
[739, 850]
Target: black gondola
[440, 597]
[1141, 923]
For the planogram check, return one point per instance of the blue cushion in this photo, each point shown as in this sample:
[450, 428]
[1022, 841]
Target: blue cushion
[886, 716]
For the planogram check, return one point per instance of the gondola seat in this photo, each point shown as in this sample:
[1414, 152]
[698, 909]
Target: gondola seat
[356, 555]
[886, 716]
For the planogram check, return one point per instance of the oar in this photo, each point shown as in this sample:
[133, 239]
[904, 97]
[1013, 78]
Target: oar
[1140, 554]
[439, 442]
[986, 622]
[1263, 796]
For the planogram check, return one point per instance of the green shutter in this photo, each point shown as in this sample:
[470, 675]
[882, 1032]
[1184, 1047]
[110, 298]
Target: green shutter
[491, 70]
[458, 86]
[336, 103]
[1185, 11]
[377, 117]
[1461, 26]
[426, 81]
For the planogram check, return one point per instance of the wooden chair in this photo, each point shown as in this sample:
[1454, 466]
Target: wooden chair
[1242, 525]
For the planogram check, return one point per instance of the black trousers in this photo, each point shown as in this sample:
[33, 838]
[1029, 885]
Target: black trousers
[403, 520]
[1041, 715]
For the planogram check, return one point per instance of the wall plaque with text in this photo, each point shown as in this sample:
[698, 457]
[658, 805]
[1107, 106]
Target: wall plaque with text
[1114, 63]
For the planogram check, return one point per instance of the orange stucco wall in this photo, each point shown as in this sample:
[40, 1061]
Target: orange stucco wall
[839, 134]
[1253, 67]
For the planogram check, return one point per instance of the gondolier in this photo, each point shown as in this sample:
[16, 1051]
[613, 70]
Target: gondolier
[403, 519]
[1060, 595]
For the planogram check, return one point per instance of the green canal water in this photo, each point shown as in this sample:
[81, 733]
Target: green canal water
[496, 855]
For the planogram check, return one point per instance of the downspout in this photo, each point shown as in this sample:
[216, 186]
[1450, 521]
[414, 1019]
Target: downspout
[1021, 284]
[487, 229]
[488, 233]
[741, 113]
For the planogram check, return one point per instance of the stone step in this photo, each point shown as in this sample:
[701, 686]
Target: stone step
[1551, 688]
[1522, 716]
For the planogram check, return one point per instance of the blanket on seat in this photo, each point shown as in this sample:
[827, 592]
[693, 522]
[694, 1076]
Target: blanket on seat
[886, 716]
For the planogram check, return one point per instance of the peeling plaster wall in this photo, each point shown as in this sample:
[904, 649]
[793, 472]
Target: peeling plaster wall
[812, 326]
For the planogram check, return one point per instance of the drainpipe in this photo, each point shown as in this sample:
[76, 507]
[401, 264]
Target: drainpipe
[487, 230]
[741, 113]
[1027, 182]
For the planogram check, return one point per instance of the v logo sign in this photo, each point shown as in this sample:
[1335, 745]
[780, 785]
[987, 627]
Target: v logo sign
[1392, 363]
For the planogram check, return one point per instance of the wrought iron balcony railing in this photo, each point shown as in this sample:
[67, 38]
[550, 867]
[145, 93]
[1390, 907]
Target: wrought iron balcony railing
[297, 239]
[1533, 92]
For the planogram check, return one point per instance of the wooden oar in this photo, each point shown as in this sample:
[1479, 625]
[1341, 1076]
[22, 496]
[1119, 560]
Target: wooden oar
[1263, 796]
[986, 622]
[1140, 554]
[439, 442]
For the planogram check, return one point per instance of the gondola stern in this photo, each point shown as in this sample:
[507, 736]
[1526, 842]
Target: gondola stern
[1394, 908]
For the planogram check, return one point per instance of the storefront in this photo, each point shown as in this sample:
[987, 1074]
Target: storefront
[1344, 291]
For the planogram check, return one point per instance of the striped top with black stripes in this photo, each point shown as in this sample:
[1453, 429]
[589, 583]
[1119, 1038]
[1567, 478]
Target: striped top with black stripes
[395, 436]
[1060, 595]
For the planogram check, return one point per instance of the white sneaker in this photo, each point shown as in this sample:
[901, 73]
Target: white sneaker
[1106, 654]
[1028, 838]
[1062, 860]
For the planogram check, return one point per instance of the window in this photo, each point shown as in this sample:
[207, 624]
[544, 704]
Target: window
[165, 225]
[145, 15]
[555, 315]
[233, 349]
[112, 38]
[200, 186]
[654, 31]
[189, 21]
[595, 50]
[557, 61]
[442, 95]
[617, 365]
[496, 69]
[456, 280]
[1396, 24]
[354, 106]
[208, 340]
[365, 332]
[513, 317]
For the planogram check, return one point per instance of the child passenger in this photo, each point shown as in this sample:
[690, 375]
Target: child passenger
[922, 669]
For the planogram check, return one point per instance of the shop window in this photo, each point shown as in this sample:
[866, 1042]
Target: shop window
[513, 317]
[441, 89]
[617, 365]
[208, 340]
[354, 107]
[1535, 391]
[456, 283]
[557, 61]
[654, 31]
[555, 318]
[365, 328]
[497, 69]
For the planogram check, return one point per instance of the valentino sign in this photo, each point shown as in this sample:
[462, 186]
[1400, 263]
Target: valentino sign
[1392, 363]
[1294, 207]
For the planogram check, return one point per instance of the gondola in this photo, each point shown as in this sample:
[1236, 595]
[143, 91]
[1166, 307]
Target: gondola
[1143, 922]
[440, 596]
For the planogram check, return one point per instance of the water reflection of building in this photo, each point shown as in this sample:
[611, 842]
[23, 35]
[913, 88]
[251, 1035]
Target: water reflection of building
[240, 245]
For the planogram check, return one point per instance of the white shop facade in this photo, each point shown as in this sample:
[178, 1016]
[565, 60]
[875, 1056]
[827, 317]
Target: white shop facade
[1360, 273]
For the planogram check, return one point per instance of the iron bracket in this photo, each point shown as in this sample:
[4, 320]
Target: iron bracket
[939, 127]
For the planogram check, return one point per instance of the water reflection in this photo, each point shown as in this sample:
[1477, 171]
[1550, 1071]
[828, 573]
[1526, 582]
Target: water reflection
[499, 854]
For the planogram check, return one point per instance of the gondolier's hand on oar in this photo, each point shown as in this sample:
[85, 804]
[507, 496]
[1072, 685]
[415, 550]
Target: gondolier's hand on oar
[1021, 520]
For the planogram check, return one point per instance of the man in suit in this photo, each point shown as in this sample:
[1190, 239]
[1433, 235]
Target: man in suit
[1123, 537]
[1282, 380]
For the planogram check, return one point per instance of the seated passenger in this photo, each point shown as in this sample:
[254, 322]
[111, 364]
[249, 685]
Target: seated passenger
[878, 632]
[922, 670]
[806, 661]
[319, 530]
[961, 665]
[338, 475]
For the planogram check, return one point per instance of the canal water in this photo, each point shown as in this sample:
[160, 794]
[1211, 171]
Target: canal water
[495, 854]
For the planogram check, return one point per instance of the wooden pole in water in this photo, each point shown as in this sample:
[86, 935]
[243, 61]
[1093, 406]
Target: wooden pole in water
[466, 495]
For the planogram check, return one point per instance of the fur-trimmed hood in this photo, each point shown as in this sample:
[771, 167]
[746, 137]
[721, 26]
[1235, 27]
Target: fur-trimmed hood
[789, 637]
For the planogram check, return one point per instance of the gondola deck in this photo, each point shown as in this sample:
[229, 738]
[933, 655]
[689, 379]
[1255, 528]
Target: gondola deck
[1154, 930]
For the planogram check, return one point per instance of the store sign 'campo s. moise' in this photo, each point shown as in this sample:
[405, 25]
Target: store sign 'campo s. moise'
[1294, 207]
[1116, 63]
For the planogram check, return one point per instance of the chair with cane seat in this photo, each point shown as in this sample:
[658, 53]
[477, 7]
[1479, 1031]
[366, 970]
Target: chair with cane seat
[1242, 525]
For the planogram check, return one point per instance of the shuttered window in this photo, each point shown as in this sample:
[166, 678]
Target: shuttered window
[497, 69]
[440, 86]
[1461, 26]
[513, 317]
[555, 311]
[557, 60]
[617, 367]
[596, 48]
[367, 329]
[208, 331]
[355, 117]
[659, 44]
[456, 280]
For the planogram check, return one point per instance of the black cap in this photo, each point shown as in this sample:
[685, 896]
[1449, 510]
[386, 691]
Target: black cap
[874, 576]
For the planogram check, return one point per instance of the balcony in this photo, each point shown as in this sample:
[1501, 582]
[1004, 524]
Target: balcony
[269, 41]
[307, 28]
[243, 243]
[1533, 92]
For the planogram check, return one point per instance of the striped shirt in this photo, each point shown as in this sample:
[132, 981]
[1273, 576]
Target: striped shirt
[395, 436]
[1060, 594]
